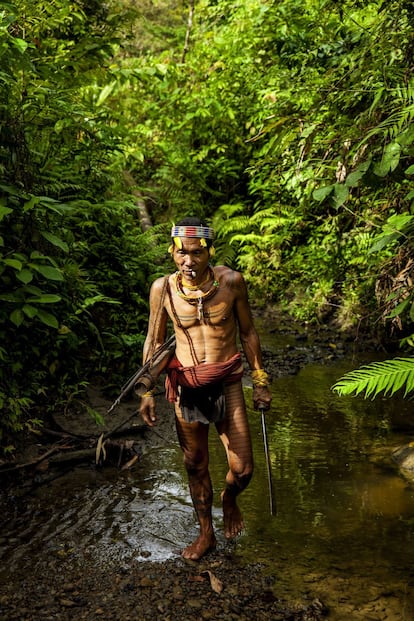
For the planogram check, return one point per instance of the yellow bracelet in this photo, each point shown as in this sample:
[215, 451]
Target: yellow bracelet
[260, 378]
[147, 394]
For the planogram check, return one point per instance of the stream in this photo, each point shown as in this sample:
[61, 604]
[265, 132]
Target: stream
[343, 524]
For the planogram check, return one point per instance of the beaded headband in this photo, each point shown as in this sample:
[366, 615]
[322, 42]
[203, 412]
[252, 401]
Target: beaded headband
[204, 232]
[201, 232]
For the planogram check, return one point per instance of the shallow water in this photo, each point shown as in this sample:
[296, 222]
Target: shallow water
[344, 524]
[343, 529]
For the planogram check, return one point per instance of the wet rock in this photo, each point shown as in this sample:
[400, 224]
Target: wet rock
[404, 457]
[177, 593]
[302, 337]
[195, 603]
[67, 603]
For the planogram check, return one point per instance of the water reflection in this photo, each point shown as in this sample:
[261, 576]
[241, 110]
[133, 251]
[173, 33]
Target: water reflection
[323, 448]
[344, 527]
[342, 510]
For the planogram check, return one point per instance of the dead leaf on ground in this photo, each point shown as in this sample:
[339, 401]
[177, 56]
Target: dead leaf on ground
[215, 583]
[100, 448]
[130, 463]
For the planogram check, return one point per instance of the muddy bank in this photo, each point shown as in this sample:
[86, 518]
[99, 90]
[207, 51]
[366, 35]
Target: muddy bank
[216, 588]
[301, 344]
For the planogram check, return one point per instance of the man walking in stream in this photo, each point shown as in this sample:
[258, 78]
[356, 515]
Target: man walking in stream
[208, 306]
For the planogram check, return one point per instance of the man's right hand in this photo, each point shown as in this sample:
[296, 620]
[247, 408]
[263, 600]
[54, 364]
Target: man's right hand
[147, 411]
[262, 398]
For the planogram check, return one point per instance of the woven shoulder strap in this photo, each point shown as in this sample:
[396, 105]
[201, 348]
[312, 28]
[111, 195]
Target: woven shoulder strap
[180, 325]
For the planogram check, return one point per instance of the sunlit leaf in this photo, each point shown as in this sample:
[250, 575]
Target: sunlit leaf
[372, 379]
[321, 193]
[105, 93]
[29, 310]
[4, 211]
[17, 265]
[45, 298]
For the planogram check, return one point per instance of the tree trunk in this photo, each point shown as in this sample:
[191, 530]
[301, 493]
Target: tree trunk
[144, 217]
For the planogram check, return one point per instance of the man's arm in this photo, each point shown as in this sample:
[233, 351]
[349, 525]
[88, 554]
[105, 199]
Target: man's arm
[157, 330]
[157, 323]
[251, 343]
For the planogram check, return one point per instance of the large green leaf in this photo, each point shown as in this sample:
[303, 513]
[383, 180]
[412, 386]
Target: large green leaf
[49, 272]
[372, 379]
[55, 240]
[29, 310]
[47, 318]
[341, 192]
[4, 211]
[17, 317]
[321, 193]
[389, 161]
[25, 276]
[45, 298]
[15, 263]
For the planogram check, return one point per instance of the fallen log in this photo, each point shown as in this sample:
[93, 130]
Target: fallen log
[112, 447]
[115, 452]
[7, 468]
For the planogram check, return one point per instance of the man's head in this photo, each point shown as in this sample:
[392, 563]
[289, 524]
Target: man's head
[192, 247]
[192, 228]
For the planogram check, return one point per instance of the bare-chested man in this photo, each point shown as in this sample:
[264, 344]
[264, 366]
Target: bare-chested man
[207, 307]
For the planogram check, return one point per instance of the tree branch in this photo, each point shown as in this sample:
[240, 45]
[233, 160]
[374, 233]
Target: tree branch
[189, 27]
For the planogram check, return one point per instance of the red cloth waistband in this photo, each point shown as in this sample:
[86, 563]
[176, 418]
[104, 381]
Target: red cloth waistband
[201, 374]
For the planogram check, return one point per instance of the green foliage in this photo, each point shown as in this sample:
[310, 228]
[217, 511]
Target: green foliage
[289, 126]
[74, 268]
[386, 377]
[317, 99]
[395, 286]
[327, 124]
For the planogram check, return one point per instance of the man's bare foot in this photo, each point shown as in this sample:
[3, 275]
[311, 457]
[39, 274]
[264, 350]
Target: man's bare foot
[199, 547]
[233, 521]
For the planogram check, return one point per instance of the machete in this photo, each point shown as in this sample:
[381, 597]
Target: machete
[272, 504]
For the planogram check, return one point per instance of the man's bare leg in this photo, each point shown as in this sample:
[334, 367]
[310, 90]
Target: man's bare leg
[193, 439]
[232, 517]
[202, 497]
[235, 435]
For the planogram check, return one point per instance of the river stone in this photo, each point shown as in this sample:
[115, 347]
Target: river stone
[404, 456]
[195, 603]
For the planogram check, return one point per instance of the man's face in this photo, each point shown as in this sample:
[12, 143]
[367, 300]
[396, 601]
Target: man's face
[192, 257]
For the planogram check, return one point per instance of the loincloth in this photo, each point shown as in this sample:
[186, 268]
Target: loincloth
[199, 389]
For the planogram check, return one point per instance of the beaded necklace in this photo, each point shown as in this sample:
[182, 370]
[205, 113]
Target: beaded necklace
[196, 300]
[190, 287]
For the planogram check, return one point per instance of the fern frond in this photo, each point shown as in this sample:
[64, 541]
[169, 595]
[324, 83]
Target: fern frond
[392, 125]
[238, 224]
[388, 377]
